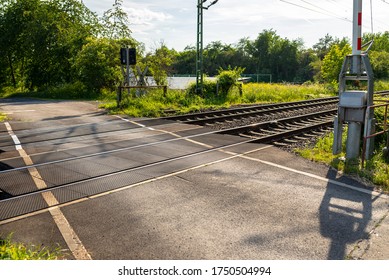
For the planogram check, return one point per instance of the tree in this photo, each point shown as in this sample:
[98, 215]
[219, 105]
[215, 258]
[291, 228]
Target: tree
[244, 57]
[381, 41]
[185, 62]
[40, 38]
[14, 42]
[160, 63]
[97, 64]
[260, 50]
[324, 45]
[333, 61]
[115, 22]
[306, 66]
[380, 63]
[275, 55]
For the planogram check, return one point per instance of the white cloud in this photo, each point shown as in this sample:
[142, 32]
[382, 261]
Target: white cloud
[174, 21]
[145, 16]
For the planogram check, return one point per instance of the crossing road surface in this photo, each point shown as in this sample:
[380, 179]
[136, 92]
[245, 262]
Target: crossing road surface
[108, 187]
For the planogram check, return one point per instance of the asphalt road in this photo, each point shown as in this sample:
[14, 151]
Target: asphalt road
[265, 204]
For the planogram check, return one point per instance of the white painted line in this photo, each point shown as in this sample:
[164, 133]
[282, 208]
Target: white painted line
[168, 132]
[15, 139]
[19, 111]
[373, 193]
[136, 123]
[67, 232]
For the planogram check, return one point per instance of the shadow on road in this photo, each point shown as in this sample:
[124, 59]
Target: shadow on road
[344, 216]
[4, 166]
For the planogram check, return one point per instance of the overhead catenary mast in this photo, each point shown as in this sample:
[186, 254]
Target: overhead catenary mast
[199, 49]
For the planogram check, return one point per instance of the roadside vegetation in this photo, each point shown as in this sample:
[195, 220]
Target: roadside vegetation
[375, 170]
[10, 250]
[3, 117]
[156, 104]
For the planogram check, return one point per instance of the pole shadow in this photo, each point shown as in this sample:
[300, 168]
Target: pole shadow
[344, 216]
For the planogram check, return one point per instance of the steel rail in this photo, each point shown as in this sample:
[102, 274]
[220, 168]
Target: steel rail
[232, 113]
[257, 126]
[241, 112]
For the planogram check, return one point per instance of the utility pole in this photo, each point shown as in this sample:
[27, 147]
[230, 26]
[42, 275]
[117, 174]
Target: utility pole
[199, 48]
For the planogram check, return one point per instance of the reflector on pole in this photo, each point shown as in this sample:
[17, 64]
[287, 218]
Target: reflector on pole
[357, 34]
[357, 27]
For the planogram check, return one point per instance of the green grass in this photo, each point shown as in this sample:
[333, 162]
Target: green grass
[376, 169]
[3, 117]
[155, 104]
[381, 85]
[70, 91]
[10, 250]
[274, 93]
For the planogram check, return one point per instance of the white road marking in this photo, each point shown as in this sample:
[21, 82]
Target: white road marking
[136, 123]
[13, 136]
[19, 111]
[324, 179]
[74, 243]
[167, 132]
[373, 193]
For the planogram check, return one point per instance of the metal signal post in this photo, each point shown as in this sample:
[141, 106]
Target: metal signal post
[199, 49]
[353, 102]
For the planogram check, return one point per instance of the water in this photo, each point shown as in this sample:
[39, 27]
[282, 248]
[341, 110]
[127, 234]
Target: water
[178, 82]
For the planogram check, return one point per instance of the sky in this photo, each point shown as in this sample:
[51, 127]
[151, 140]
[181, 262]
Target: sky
[174, 22]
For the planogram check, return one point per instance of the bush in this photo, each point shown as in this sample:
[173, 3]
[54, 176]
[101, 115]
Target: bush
[75, 90]
[227, 79]
[209, 89]
[97, 64]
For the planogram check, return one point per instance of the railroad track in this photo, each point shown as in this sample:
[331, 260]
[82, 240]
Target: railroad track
[249, 112]
[288, 130]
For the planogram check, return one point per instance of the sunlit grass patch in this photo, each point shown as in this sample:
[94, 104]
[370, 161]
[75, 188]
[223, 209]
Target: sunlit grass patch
[3, 117]
[275, 93]
[376, 170]
[10, 250]
[154, 103]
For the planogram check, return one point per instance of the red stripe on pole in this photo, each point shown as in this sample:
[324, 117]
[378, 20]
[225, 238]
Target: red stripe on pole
[359, 19]
[359, 47]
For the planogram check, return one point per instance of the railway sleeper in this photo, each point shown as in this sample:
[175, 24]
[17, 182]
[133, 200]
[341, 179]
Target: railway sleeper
[290, 141]
[268, 132]
[302, 138]
[248, 136]
[281, 129]
[258, 133]
[309, 135]
[280, 144]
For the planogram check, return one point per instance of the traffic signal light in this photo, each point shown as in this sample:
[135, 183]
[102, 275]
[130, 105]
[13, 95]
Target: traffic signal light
[131, 56]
